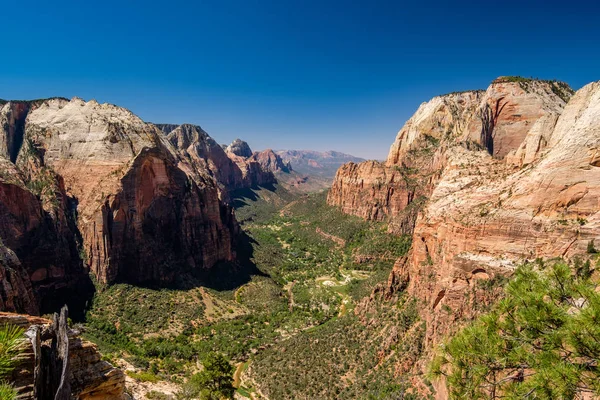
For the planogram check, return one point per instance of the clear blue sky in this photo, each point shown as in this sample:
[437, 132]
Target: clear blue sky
[342, 75]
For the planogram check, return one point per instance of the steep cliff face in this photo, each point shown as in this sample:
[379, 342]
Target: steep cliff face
[270, 161]
[12, 121]
[396, 189]
[506, 175]
[255, 171]
[512, 120]
[232, 167]
[119, 195]
[512, 112]
[484, 217]
[196, 147]
[42, 269]
[16, 293]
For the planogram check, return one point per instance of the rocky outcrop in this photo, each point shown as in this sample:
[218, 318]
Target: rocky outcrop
[257, 168]
[196, 147]
[57, 364]
[512, 120]
[484, 217]
[270, 161]
[232, 167]
[41, 267]
[16, 293]
[396, 189]
[118, 195]
[506, 175]
[239, 148]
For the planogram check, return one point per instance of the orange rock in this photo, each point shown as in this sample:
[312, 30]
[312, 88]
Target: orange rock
[506, 176]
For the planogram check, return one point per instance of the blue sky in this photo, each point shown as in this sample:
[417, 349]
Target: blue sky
[289, 74]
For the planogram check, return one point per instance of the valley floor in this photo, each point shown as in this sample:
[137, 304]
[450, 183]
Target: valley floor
[291, 330]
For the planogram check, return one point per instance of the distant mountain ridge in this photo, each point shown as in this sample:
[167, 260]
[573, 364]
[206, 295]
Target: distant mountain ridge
[323, 164]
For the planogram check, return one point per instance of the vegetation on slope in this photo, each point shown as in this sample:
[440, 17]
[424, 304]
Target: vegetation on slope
[346, 358]
[561, 89]
[541, 341]
[314, 264]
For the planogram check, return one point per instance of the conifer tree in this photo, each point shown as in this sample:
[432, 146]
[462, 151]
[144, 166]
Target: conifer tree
[542, 341]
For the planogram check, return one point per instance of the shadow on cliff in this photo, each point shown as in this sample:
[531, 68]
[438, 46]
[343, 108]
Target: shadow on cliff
[77, 296]
[241, 197]
[231, 275]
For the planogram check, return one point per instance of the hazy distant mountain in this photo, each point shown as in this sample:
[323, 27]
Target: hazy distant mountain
[324, 164]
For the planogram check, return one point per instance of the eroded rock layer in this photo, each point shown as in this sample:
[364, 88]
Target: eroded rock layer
[232, 167]
[485, 217]
[502, 176]
[93, 187]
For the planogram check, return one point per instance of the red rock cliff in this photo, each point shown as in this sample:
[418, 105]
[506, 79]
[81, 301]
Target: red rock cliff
[504, 176]
[485, 217]
[136, 210]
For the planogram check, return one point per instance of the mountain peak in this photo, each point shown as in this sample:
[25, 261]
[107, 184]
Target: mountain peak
[240, 148]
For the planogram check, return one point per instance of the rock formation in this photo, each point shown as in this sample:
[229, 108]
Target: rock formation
[232, 167]
[483, 181]
[108, 188]
[270, 161]
[57, 364]
[200, 150]
[397, 188]
[39, 239]
[239, 148]
[485, 217]
[258, 168]
[512, 120]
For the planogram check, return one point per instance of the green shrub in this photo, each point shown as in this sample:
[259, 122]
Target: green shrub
[143, 376]
[214, 382]
[590, 247]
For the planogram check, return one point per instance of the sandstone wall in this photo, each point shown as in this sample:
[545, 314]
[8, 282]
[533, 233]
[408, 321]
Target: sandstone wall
[515, 178]
[114, 192]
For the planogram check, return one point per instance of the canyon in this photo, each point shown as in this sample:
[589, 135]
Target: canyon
[89, 188]
[126, 221]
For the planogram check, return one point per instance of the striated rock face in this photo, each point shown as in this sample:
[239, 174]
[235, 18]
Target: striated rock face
[115, 192]
[484, 217]
[258, 168]
[41, 267]
[506, 175]
[232, 167]
[397, 188]
[204, 154]
[37, 377]
[512, 120]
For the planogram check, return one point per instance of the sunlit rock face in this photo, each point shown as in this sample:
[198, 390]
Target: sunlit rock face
[483, 181]
[114, 193]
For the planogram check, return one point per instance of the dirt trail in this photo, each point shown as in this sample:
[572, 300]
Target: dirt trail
[289, 286]
[336, 239]
[239, 368]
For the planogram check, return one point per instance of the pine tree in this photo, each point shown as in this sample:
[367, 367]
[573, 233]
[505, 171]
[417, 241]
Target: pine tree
[542, 341]
[214, 382]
